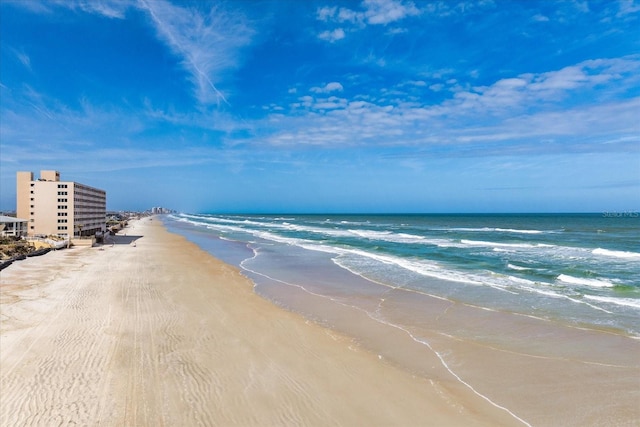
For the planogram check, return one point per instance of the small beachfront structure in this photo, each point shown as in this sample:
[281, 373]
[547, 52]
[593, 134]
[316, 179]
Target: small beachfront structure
[13, 227]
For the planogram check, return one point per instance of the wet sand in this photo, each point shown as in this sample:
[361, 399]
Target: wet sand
[161, 333]
[542, 372]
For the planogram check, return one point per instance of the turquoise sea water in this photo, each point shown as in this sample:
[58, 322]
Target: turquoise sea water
[576, 269]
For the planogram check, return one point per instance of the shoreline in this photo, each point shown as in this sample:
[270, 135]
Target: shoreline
[164, 334]
[541, 371]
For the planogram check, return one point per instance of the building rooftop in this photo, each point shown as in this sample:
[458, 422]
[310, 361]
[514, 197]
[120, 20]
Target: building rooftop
[4, 218]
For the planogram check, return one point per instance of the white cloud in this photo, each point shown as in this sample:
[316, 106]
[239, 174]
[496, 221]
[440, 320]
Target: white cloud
[529, 89]
[329, 87]
[23, 58]
[348, 15]
[386, 11]
[330, 103]
[374, 12]
[209, 44]
[108, 8]
[627, 7]
[394, 31]
[338, 122]
[39, 130]
[333, 86]
[581, 6]
[521, 110]
[443, 9]
[326, 13]
[332, 36]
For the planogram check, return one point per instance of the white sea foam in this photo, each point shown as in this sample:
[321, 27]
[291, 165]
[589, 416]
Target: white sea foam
[354, 222]
[421, 267]
[430, 269]
[331, 232]
[418, 266]
[552, 294]
[444, 243]
[585, 282]
[545, 292]
[251, 226]
[616, 254]
[388, 236]
[505, 245]
[511, 230]
[500, 230]
[360, 248]
[192, 222]
[517, 267]
[627, 302]
[520, 280]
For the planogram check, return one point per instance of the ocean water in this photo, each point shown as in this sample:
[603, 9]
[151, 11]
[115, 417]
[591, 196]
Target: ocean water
[577, 270]
[535, 315]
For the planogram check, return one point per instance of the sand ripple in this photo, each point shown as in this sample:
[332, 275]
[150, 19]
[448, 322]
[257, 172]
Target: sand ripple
[162, 334]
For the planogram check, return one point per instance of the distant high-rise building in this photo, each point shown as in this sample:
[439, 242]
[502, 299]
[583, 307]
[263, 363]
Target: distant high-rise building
[55, 207]
[160, 210]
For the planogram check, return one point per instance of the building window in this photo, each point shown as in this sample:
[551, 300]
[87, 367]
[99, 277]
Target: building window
[62, 227]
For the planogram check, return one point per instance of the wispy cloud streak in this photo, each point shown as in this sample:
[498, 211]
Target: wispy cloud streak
[109, 8]
[208, 43]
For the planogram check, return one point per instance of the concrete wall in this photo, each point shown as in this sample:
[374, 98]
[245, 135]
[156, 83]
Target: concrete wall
[45, 209]
[83, 242]
[23, 195]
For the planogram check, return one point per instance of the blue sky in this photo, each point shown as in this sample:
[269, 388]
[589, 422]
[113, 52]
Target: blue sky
[326, 106]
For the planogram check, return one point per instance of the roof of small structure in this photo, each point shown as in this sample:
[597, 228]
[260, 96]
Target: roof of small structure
[6, 219]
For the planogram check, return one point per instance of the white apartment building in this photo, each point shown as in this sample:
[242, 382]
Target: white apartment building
[63, 208]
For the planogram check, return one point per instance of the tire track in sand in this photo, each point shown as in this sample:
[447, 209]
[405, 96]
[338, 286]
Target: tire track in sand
[58, 371]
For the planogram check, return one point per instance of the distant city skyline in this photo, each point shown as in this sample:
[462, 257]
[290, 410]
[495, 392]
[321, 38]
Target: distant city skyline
[326, 106]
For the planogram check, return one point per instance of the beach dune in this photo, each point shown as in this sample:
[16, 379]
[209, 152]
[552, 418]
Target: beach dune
[154, 331]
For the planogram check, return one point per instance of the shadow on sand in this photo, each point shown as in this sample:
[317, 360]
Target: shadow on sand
[120, 239]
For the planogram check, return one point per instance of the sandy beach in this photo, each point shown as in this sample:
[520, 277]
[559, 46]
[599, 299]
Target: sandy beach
[153, 331]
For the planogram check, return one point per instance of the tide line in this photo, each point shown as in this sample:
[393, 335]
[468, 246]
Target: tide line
[419, 341]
